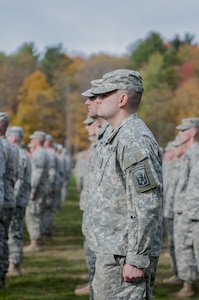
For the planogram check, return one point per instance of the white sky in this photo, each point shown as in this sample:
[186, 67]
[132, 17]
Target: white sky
[90, 26]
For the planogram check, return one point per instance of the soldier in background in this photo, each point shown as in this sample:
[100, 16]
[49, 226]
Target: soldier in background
[171, 164]
[14, 135]
[39, 190]
[68, 164]
[62, 176]
[82, 159]
[9, 178]
[51, 199]
[188, 132]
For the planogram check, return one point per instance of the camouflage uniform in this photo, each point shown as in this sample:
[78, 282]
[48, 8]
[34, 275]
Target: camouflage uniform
[9, 178]
[127, 200]
[2, 171]
[39, 187]
[81, 167]
[22, 192]
[170, 179]
[183, 235]
[50, 207]
[67, 173]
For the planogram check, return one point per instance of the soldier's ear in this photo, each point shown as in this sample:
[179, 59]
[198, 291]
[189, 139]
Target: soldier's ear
[123, 100]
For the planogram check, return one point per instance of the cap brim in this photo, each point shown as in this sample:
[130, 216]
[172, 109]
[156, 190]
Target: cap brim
[102, 90]
[87, 93]
[182, 127]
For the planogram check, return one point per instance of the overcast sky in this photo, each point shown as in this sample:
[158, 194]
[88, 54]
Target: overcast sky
[90, 26]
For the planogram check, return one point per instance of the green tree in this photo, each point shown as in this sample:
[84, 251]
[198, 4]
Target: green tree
[143, 49]
[54, 60]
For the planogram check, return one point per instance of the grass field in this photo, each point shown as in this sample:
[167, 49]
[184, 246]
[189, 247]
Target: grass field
[54, 272]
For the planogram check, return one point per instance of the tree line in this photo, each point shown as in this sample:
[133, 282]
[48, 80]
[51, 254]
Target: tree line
[43, 91]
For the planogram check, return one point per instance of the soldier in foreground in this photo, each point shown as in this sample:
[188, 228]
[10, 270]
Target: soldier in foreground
[120, 223]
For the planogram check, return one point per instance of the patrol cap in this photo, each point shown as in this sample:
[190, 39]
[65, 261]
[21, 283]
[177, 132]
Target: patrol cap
[49, 138]
[15, 131]
[4, 117]
[38, 135]
[59, 147]
[88, 120]
[94, 83]
[121, 79]
[188, 123]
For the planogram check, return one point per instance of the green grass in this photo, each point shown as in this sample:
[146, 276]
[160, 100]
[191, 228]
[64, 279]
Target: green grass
[53, 273]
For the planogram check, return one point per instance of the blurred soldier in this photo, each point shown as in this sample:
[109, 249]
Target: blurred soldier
[14, 135]
[121, 221]
[39, 190]
[171, 164]
[51, 199]
[2, 171]
[67, 173]
[9, 179]
[93, 127]
[82, 159]
[183, 229]
[61, 168]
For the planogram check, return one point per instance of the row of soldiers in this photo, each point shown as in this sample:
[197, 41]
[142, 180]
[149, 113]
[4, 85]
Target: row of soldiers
[33, 183]
[181, 207]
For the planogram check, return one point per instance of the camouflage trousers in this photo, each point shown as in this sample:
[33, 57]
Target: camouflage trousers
[169, 224]
[90, 259]
[5, 219]
[34, 216]
[108, 282]
[186, 240]
[50, 208]
[15, 234]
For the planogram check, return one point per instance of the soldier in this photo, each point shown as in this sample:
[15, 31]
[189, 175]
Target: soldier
[14, 135]
[171, 164]
[91, 103]
[61, 177]
[9, 178]
[183, 229]
[82, 159]
[51, 200]
[39, 190]
[120, 223]
[67, 173]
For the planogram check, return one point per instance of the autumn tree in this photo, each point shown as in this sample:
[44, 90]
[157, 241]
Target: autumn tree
[13, 70]
[38, 108]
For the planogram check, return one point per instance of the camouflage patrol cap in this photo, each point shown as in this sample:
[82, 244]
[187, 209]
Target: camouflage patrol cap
[4, 117]
[121, 79]
[49, 138]
[89, 120]
[94, 83]
[188, 123]
[38, 135]
[15, 131]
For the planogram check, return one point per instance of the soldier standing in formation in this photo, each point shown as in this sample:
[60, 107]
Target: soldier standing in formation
[186, 210]
[39, 190]
[11, 157]
[120, 223]
[51, 199]
[14, 135]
